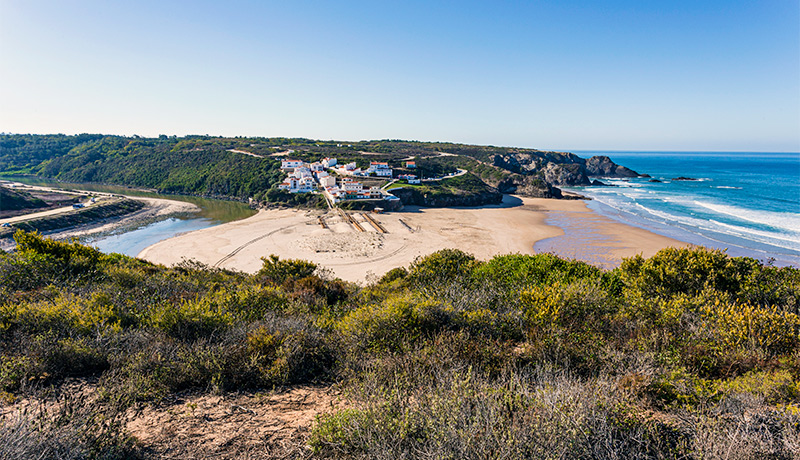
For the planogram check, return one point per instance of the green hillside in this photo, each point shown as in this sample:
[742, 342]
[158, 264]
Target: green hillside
[215, 166]
[12, 200]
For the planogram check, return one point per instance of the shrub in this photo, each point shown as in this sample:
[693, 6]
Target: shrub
[518, 271]
[73, 429]
[688, 271]
[279, 271]
[388, 326]
[397, 273]
[446, 265]
[462, 414]
[735, 325]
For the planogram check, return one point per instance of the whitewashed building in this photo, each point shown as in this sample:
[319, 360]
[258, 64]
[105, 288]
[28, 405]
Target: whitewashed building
[380, 168]
[291, 164]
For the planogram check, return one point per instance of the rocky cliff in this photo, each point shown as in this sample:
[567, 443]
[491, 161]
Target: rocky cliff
[533, 186]
[603, 166]
[562, 169]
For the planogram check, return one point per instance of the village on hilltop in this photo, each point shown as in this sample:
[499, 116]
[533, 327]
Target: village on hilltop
[317, 177]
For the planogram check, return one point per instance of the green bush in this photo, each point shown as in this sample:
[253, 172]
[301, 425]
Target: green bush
[518, 271]
[391, 325]
[446, 265]
[686, 271]
[278, 271]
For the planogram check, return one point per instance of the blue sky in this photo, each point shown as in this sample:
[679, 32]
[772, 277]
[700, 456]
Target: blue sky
[625, 75]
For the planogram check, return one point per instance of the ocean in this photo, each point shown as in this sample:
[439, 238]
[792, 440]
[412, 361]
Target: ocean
[746, 203]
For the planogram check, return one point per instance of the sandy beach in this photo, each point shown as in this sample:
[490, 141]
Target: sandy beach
[326, 238]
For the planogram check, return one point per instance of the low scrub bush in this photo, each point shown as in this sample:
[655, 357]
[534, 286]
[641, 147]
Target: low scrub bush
[688, 354]
[66, 429]
[463, 414]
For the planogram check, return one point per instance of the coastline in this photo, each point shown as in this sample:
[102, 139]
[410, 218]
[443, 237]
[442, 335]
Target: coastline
[155, 209]
[513, 226]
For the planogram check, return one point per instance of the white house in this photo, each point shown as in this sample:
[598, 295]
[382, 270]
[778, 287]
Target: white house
[380, 168]
[410, 178]
[329, 162]
[288, 184]
[327, 181]
[349, 185]
[291, 164]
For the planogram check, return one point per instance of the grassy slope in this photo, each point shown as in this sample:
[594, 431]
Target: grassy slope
[14, 200]
[689, 354]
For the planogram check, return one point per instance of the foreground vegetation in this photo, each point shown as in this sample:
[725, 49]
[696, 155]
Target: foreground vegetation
[689, 354]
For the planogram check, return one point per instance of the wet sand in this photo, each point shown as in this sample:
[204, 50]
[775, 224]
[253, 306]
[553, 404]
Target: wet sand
[353, 255]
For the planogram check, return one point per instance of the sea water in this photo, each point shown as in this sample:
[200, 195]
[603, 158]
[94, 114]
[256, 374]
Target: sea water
[746, 203]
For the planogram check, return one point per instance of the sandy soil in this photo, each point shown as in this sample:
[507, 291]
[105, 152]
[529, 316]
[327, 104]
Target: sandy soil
[246, 153]
[233, 425]
[189, 425]
[512, 227]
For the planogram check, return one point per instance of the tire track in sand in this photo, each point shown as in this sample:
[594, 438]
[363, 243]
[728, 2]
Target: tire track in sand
[240, 248]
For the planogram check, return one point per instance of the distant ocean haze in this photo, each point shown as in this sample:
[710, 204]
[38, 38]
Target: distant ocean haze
[747, 203]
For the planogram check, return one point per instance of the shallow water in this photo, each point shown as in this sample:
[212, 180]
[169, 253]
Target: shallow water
[132, 241]
[747, 203]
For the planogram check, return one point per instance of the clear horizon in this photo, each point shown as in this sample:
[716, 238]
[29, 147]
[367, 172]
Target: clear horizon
[622, 75]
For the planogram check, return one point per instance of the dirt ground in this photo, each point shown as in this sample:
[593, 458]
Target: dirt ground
[260, 425]
[239, 425]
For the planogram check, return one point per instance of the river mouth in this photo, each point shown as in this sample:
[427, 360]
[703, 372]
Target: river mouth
[130, 240]
[219, 211]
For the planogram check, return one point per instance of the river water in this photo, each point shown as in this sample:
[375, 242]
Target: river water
[132, 241]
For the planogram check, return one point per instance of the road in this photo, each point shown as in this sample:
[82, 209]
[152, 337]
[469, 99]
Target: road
[38, 215]
[460, 172]
[246, 153]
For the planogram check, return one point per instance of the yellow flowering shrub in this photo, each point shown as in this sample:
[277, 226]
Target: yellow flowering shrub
[737, 325]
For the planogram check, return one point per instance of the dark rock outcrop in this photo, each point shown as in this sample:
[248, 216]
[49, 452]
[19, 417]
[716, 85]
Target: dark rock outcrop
[531, 186]
[601, 165]
[565, 174]
[561, 168]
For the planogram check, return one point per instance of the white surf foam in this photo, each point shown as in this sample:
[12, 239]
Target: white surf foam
[780, 220]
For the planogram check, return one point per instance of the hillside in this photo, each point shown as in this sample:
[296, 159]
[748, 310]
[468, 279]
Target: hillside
[12, 200]
[690, 354]
[245, 168]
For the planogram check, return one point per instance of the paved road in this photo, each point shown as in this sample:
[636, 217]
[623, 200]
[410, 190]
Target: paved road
[460, 172]
[38, 215]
